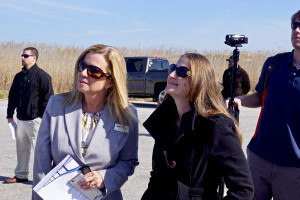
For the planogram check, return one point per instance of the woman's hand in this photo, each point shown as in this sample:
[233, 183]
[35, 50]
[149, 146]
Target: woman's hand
[91, 180]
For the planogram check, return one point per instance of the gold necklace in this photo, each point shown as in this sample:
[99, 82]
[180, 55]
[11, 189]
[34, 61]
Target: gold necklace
[87, 126]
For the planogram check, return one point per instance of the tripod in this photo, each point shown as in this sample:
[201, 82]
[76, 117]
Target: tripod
[232, 107]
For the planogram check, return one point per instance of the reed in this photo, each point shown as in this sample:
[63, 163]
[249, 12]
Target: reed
[59, 61]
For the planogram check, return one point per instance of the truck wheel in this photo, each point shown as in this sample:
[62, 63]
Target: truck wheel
[159, 95]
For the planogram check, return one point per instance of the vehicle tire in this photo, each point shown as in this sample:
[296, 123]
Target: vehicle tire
[159, 95]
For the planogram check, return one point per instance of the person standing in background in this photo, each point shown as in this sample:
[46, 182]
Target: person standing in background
[242, 85]
[29, 94]
[274, 150]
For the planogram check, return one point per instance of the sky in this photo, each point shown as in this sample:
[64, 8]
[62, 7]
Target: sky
[195, 25]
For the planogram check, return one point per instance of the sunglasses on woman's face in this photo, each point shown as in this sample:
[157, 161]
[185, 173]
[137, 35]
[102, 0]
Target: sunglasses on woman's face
[93, 71]
[180, 71]
[294, 25]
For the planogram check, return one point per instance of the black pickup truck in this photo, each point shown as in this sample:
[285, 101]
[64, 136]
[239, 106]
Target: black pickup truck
[147, 76]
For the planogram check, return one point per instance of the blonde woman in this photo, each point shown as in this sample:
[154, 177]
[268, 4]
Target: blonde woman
[93, 123]
[196, 140]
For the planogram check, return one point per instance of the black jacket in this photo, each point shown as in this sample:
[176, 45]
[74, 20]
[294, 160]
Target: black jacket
[201, 156]
[30, 97]
[242, 83]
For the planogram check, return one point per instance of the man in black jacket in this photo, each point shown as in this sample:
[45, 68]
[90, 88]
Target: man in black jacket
[242, 85]
[29, 94]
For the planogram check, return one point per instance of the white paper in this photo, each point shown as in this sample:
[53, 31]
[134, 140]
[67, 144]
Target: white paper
[55, 185]
[13, 129]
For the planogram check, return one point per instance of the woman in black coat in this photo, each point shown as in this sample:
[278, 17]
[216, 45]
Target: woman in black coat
[197, 143]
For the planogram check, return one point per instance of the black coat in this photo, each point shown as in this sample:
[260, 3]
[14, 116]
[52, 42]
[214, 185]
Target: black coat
[30, 97]
[189, 163]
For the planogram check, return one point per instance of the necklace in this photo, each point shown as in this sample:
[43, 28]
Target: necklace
[89, 122]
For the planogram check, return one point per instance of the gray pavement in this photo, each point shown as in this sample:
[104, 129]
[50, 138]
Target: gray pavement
[136, 184]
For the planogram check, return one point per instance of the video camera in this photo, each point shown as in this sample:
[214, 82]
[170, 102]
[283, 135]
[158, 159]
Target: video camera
[236, 40]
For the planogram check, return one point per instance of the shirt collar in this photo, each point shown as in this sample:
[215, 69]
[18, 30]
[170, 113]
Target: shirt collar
[290, 61]
[32, 69]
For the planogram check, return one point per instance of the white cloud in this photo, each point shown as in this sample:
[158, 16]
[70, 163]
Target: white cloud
[88, 33]
[210, 27]
[11, 6]
[72, 8]
[31, 11]
[138, 23]
[137, 30]
[100, 32]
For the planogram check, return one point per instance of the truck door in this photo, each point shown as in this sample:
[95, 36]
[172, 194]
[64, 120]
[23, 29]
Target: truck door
[156, 76]
[136, 75]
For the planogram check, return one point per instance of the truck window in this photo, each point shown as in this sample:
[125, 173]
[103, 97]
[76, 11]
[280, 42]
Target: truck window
[134, 65]
[165, 64]
[155, 65]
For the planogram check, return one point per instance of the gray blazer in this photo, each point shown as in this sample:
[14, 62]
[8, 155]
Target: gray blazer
[113, 153]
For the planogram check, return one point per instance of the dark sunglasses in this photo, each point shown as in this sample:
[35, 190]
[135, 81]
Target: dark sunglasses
[26, 55]
[180, 71]
[93, 71]
[294, 25]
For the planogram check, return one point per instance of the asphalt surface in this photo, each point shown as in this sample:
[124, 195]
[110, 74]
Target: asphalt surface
[134, 188]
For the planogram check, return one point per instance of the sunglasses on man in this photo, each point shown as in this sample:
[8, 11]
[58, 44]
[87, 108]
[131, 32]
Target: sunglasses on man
[294, 25]
[180, 71]
[93, 71]
[26, 55]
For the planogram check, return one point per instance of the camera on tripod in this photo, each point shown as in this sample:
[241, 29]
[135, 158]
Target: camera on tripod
[236, 40]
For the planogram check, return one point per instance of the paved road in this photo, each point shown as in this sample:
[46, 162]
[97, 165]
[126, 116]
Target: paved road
[133, 188]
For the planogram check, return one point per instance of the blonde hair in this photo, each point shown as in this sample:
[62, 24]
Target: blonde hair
[116, 96]
[205, 92]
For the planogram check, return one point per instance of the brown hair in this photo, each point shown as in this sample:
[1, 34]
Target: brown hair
[295, 16]
[205, 92]
[34, 51]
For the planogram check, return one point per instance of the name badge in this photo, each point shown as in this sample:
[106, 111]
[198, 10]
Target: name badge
[118, 127]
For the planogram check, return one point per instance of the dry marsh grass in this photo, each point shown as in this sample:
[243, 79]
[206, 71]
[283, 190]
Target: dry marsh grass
[59, 61]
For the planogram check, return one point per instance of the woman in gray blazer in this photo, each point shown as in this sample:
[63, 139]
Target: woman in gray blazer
[93, 123]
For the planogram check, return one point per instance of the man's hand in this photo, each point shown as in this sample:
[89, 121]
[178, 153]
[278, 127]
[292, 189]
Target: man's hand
[11, 120]
[236, 100]
[253, 100]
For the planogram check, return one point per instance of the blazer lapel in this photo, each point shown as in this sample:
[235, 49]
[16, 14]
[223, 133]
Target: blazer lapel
[74, 127]
[105, 124]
